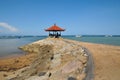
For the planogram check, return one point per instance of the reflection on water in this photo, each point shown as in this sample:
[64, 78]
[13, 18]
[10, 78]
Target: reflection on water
[9, 46]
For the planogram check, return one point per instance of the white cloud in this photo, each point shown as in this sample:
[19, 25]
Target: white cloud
[9, 27]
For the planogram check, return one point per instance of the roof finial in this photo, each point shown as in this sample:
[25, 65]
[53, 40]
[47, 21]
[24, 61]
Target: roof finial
[54, 24]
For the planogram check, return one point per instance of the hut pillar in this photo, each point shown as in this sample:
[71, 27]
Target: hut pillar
[55, 30]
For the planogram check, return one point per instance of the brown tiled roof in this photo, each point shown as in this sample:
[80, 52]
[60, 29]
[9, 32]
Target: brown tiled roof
[54, 28]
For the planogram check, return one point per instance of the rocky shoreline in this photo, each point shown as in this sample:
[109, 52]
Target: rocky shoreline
[106, 61]
[53, 59]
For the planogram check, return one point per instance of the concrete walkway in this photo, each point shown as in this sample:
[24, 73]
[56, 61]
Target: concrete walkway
[90, 66]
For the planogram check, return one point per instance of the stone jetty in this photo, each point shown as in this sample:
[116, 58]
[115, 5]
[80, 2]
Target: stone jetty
[56, 59]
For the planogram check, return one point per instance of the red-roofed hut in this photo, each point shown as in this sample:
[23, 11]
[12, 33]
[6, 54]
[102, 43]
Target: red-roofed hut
[56, 31]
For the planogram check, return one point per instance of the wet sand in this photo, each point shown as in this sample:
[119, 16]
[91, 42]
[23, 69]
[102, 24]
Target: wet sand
[16, 62]
[10, 64]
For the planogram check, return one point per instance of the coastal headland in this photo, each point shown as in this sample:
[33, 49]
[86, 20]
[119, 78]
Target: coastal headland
[61, 59]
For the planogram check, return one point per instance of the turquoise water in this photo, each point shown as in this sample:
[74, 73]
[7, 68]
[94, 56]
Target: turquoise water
[99, 40]
[9, 46]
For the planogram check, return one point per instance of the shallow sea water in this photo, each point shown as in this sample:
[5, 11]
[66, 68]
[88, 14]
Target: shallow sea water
[11, 46]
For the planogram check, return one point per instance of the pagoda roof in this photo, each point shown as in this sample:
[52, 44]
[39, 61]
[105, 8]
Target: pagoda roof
[54, 28]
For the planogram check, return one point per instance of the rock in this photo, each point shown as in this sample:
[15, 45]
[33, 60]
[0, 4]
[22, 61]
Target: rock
[71, 78]
[37, 78]
[5, 75]
[71, 66]
[41, 73]
[56, 60]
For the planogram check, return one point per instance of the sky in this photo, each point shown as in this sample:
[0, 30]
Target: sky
[84, 17]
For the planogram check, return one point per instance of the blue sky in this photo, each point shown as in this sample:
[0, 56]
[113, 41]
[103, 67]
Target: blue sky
[31, 17]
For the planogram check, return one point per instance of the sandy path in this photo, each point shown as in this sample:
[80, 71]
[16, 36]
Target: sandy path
[106, 59]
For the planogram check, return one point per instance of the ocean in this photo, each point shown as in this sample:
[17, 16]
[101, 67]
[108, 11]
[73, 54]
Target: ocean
[10, 45]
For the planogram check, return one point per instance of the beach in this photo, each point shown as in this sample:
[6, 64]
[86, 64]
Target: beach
[106, 61]
[59, 39]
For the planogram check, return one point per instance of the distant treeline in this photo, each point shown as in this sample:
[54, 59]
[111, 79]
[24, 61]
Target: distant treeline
[13, 37]
[92, 35]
